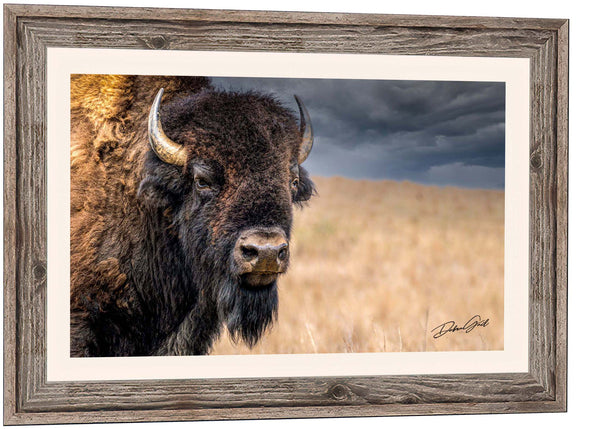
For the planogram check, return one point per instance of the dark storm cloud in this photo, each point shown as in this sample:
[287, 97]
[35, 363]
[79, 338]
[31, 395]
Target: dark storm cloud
[443, 133]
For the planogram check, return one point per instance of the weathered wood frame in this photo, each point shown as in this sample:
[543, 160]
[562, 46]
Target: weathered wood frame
[29, 398]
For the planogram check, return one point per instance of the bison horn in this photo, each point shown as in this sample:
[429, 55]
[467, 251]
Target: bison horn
[306, 130]
[165, 148]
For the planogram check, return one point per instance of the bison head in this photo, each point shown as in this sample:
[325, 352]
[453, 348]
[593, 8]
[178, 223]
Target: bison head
[225, 173]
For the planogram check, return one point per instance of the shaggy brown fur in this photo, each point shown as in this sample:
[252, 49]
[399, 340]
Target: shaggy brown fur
[150, 252]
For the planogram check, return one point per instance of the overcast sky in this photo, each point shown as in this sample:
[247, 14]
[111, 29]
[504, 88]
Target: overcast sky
[440, 133]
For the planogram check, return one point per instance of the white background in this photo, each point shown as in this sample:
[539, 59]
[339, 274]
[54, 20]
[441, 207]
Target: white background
[584, 233]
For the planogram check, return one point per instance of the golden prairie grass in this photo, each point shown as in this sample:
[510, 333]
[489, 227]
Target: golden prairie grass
[377, 265]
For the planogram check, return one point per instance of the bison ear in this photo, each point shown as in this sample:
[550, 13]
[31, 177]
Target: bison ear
[306, 131]
[306, 187]
[162, 187]
[151, 192]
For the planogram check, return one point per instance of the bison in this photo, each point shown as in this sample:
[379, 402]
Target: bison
[181, 210]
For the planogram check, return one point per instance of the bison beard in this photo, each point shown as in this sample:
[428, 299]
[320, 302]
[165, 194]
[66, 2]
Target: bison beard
[176, 233]
[247, 313]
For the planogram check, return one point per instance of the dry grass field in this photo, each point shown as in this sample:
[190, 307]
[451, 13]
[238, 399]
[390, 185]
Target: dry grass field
[377, 265]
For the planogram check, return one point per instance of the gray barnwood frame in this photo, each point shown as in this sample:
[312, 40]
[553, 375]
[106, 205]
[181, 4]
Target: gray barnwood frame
[30, 399]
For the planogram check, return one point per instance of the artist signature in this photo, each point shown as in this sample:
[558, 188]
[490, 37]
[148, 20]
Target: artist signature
[452, 326]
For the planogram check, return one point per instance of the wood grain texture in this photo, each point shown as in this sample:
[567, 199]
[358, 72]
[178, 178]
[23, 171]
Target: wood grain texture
[542, 196]
[10, 211]
[268, 17]
[283, 37]
[562, 210]
[29, 398]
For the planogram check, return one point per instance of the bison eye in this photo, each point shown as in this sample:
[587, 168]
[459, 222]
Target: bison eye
[295, 183]
[205, 178]
[201, 183]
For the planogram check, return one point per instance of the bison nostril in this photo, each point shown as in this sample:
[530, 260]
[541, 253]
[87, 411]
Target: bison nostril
[282, 255]
[249, 252]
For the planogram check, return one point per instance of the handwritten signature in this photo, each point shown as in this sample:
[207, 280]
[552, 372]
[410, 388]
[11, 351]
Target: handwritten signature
[452, 326]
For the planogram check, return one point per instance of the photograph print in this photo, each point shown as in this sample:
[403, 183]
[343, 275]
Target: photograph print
[232, 215]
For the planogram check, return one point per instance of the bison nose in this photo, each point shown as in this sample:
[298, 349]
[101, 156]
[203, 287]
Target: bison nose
[262, 250]
[265, 257]
[260, 254]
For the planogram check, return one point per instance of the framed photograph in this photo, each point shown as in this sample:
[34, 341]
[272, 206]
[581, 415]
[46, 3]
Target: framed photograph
[229, 215]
